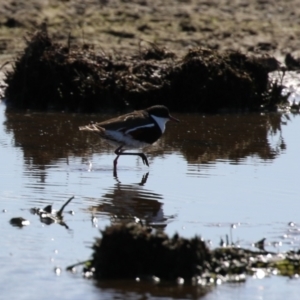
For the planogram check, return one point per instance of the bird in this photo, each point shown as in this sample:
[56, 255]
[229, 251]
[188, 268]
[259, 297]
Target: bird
[137, 129]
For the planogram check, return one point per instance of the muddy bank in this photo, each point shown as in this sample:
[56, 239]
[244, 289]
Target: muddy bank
[65, 77]
[119, 26]
[134, 251]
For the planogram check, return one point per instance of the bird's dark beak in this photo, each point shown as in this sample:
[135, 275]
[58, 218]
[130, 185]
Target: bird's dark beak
[173, 119]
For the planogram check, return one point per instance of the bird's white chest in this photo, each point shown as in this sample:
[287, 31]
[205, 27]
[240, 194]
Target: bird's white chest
[161, 122]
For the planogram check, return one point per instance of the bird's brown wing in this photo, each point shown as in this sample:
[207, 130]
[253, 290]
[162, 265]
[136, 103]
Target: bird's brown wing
[124, 122]
[138, 125]
[121, 123]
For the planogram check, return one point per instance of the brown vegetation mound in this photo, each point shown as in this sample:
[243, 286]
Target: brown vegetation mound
[52, 76]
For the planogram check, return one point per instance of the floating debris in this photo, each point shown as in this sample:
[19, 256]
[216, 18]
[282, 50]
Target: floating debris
[260, 244]
[48, 215]
[19, 222]
[57, 271]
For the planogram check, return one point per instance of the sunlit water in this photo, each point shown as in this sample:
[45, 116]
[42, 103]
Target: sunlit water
[210, 175]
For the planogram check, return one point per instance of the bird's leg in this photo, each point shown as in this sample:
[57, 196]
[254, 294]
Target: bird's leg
[119, 152]
[144, 179]
[115, 174]
[143, 157]
[116, 161]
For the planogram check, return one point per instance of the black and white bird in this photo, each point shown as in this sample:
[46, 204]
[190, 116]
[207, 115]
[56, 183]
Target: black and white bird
[137, 129]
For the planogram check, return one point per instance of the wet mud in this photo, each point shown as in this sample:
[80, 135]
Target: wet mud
[131, 251]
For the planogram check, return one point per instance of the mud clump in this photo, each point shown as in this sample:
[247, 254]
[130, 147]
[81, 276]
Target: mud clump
[48, 75]
[132, 250]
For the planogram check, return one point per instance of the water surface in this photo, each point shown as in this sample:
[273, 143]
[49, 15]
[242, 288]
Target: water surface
[210, 175]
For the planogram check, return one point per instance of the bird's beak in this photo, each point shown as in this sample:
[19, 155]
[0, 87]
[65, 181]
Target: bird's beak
[173, 119]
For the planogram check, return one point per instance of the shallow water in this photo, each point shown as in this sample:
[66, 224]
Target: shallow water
[210, 175]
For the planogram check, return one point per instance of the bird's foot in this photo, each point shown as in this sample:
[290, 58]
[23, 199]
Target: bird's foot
[144, 158]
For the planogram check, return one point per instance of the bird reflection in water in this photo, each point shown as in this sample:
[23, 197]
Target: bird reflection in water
[141, 183]
[131, 203]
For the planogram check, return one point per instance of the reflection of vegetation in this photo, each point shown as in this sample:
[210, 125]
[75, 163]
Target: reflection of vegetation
[232, 137]
[46, 138]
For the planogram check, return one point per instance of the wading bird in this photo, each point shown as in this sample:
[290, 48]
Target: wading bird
[137, 129]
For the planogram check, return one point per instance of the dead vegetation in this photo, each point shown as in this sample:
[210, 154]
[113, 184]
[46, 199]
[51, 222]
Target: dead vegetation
[52, 76]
